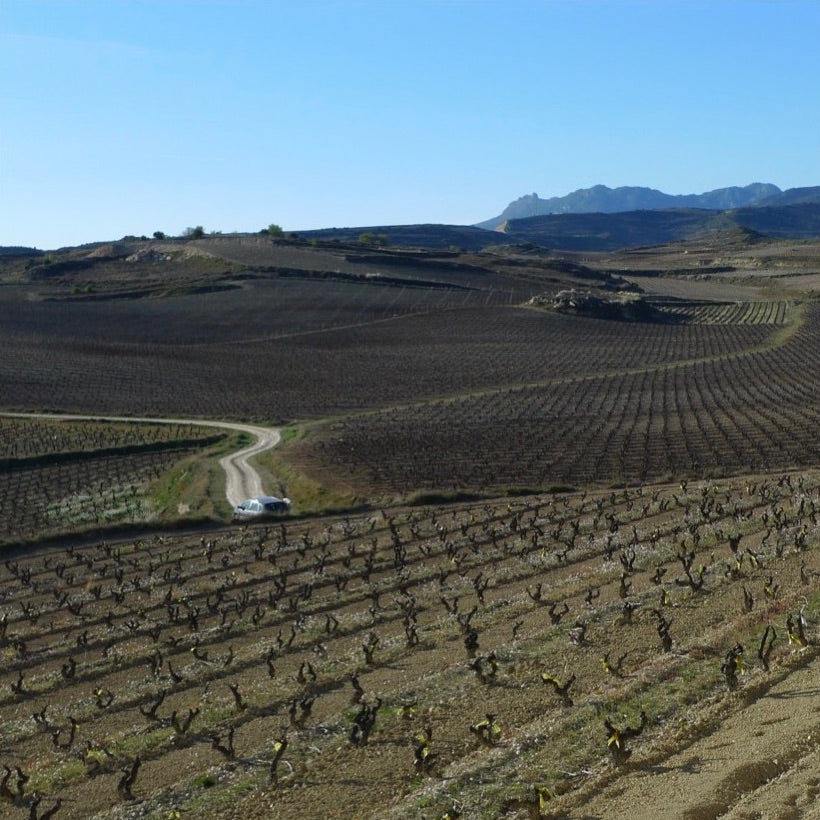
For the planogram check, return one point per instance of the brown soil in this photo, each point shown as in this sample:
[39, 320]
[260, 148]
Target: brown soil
[760, 759]
[708, 750]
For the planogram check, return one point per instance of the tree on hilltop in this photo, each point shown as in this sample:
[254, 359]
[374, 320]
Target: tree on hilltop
[370, 238]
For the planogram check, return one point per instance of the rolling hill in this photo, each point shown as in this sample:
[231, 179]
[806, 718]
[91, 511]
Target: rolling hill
[599, 231]
[607, 232]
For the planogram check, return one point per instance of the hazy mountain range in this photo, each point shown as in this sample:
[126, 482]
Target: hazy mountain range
[603, 200]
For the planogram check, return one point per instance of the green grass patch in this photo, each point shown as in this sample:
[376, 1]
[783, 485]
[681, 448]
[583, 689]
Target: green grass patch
[195, 487]
[309, 495]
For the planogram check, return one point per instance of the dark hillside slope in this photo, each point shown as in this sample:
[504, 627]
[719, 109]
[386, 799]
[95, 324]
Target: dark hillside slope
[799, 221]
[793, 196]
[18, 250]
[609, 232]
[412, 236]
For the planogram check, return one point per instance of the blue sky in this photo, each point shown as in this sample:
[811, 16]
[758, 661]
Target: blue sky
[129, 116]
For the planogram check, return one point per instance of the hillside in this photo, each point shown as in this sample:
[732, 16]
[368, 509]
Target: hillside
[527, 547]
[464, 237]
[18, 250]
[608, 232]
[793, 196]
[597, 231]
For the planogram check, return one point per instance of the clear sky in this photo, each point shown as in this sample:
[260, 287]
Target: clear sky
[130, 116]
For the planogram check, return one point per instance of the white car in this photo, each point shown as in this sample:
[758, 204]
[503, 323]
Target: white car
[260, 507]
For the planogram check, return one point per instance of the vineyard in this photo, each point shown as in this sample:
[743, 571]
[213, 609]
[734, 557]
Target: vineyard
[722, 409]
[27, 438]
[406, 663]
[736, 313]
[327, 372]
[62, 476]
[539, 565]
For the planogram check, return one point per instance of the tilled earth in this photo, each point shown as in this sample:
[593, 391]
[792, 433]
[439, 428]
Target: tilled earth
[642, 652]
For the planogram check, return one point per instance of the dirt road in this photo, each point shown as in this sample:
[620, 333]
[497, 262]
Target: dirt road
[242, 480]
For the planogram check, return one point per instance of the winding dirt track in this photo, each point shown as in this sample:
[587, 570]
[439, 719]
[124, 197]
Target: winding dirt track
[242, 479]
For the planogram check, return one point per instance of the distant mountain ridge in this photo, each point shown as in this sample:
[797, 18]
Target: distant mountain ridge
[601, 199]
